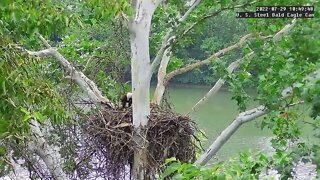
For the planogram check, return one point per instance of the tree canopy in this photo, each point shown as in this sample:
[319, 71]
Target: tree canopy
[63, 62]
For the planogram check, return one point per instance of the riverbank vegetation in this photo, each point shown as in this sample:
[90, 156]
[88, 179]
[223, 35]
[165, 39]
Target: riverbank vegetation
[64, 65]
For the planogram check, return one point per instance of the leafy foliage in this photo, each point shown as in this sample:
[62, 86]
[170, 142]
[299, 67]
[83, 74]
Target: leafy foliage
[102, 53]
[25, 94]
[245, 167]
[20, 19]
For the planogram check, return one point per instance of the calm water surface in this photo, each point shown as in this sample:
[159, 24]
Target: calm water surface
[215, 115]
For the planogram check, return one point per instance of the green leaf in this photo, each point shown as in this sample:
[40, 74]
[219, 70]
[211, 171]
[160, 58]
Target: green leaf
[24, 110]
[66, 20]
[26, 117]
[171, 169]
[178, 177]
[3, 151]
[223, 3]
[216, 167]
[38, 116]
[79, 23]
[4, 88]
[184, 167]
[236, 168]
[169, 160]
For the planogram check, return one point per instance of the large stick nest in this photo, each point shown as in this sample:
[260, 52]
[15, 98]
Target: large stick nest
[168, 134]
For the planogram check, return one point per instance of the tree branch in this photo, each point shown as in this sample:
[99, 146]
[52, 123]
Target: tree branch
[213, 14]
[234, 65]
[45, 42]
[161, 76]
[284, 30]
[187, 14]
[42, 53]
[251, 114]
[166, 42]
[211, 58]
[229, 131]
[84, 82]
[40, 146]
[247, 117]
[218, 84]
[169, 38]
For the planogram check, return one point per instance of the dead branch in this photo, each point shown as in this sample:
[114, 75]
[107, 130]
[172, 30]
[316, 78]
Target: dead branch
[82, 80]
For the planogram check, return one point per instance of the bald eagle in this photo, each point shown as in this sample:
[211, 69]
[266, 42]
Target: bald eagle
[126, 100]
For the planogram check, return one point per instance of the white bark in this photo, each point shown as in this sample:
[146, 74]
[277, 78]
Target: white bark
[229, 131]
[40, 146]
[193, 4]
[169, 38]
[217, 85]
[140, 61]
[212, 57]
[163, 54]
[141, 72]
[166, 42]
[38, 143]
[162, 84]
[233, 66]
[84, 82]
[189, 11]
[246, 117]
[285, 30]
[161, 78]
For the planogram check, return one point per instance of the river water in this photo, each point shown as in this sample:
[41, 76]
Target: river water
[218, 113]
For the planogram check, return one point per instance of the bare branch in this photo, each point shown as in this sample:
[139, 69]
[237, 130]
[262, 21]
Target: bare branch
[285, 30]
[187, 14]
[42, 53]
[46, 44]
[218, 84]
[164, 46]
[251, 114]
[248, 116]
[211, 58]
[169, 38]
[229, 131]
[235, 64]
[161, 76]
[40, 146]
[84, 82]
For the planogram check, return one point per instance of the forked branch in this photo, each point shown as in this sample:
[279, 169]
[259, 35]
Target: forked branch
[83, 81]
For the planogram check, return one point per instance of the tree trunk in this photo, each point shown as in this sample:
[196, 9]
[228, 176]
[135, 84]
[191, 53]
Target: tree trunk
[141, 75]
